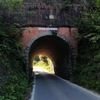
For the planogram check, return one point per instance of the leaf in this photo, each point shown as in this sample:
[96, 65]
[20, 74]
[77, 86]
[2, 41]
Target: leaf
[2, 97]
[89, 35]
[13, 98]
[95, 38]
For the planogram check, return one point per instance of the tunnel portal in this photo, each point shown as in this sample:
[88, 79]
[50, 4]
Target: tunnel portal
[57, 48]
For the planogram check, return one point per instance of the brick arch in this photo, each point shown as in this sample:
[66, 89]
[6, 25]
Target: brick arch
[52, 34]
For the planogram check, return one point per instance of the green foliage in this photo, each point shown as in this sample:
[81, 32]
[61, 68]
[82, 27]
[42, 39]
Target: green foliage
[43, 62]
[13, 83]
[87, 72]
[45, 59]
[37, 59]
[43, 65]
[11, 5]
[11, 60]
[15, 87]
[89, 25]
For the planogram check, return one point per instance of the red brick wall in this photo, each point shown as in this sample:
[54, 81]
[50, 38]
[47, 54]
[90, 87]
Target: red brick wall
[30, 32]
[70, 34]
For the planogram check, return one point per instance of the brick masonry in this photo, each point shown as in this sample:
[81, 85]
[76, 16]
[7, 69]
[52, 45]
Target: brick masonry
[31, 32]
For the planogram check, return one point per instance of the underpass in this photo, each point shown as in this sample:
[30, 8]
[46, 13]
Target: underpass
[57, 48]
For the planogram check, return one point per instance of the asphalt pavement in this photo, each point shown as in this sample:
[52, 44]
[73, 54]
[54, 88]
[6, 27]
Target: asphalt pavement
[51, 87]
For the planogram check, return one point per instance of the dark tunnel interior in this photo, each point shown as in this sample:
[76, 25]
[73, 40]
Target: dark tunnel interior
[58, 50]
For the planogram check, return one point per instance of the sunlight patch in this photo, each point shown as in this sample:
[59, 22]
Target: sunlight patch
[42, 63]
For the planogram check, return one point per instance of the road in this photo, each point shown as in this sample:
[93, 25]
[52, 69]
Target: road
[50, 87]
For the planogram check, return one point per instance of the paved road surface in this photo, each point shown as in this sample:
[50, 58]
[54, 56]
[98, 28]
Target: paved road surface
[49, 87]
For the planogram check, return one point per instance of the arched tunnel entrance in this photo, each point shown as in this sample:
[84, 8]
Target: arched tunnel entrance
[57, 48]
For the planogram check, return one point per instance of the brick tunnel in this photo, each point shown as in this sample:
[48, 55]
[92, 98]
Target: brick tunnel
[57, 48]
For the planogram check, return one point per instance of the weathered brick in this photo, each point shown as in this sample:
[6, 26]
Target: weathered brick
[30, 32]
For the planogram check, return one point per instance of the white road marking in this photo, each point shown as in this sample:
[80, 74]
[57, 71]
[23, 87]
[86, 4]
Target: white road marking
[79, 87]
[33, 89]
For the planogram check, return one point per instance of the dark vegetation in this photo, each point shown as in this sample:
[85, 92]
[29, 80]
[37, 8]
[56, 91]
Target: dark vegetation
[87, 72]
[13, 82]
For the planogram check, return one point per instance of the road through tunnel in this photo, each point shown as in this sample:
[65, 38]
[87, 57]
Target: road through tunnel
[57, 48]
